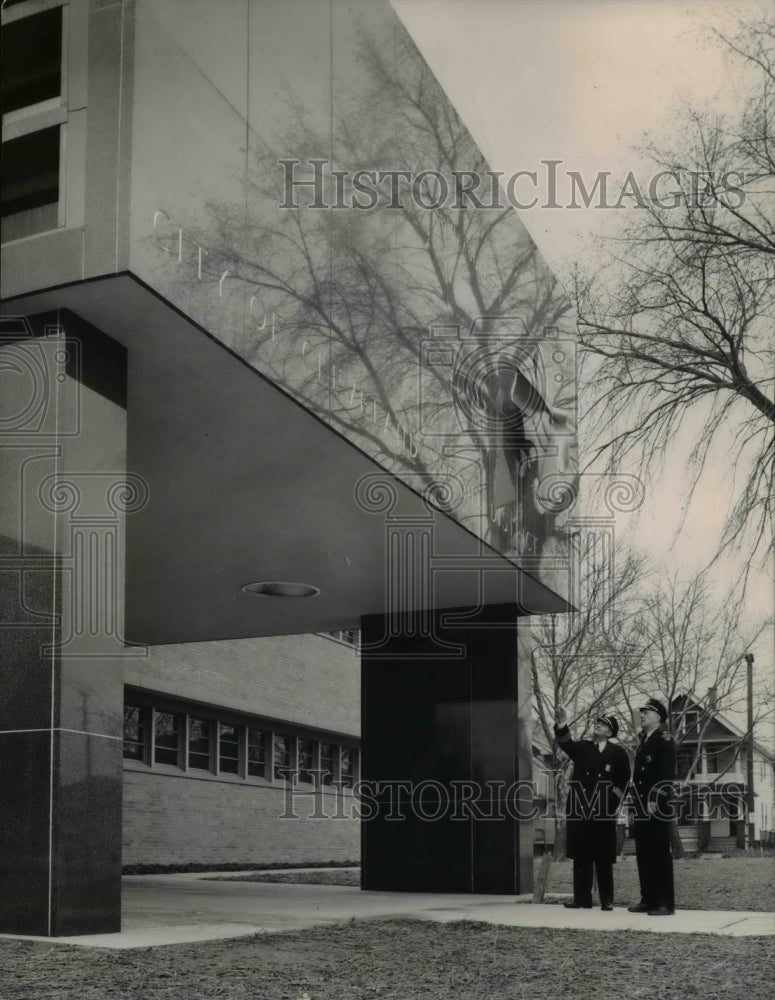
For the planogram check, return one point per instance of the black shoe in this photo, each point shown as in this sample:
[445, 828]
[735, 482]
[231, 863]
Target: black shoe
[640, 908]
[607, 907]
[577, 906]
[662, 911]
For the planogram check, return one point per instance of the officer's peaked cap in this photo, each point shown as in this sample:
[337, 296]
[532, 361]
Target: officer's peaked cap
[656, 706]
[610, 721]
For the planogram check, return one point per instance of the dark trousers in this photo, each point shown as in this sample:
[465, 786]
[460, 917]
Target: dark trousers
[582, 880]
[655, 862]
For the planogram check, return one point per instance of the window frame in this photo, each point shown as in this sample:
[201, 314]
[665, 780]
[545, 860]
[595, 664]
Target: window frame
[54, 111]
[352, 779]
[145, 723]
[685, 756]
[350, 637]
[210, 755]
[241, 733]
[290, 743]
[314, 765]
[152, 705]
[334, 773]
[267, 762]
[182, 740]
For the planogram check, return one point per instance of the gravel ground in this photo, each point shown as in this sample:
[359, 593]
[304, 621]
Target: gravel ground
[402, 960]
[712, 883]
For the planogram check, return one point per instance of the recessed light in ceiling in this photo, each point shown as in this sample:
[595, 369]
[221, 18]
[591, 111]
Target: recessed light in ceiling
[281, 588]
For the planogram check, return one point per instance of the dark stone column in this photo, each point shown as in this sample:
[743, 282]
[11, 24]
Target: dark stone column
[446, 722]
[62, 443]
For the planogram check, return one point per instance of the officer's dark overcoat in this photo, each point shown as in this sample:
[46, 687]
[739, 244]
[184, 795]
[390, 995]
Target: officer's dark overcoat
[654, 770]
[592, 802]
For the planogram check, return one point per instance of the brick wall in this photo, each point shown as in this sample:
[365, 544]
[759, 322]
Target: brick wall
[170, 819]
[176, 819]
[305, 679]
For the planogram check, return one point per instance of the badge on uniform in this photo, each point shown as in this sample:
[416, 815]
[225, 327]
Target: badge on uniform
[648, 758]
[608, 767]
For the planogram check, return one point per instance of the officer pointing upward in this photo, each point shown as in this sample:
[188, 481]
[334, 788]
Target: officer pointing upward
[601, 772]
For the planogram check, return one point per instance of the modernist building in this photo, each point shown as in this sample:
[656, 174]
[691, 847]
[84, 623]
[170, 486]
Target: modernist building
[267, 374]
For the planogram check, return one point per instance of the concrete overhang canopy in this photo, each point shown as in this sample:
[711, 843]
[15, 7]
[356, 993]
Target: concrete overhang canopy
[246, 485]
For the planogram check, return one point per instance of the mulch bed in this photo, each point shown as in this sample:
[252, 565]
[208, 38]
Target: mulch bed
[228, 866]
[330, 877]
[402, 960]
[713, 883]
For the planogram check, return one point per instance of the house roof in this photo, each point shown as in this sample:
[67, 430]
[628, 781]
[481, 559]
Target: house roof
[721, 720]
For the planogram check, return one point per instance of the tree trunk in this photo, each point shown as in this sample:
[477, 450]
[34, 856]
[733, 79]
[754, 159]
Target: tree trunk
[676, 846]
[542, 879]
[556, 854]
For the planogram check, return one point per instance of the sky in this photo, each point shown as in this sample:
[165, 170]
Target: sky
[583, 82]
[575, 80]
[536, 80]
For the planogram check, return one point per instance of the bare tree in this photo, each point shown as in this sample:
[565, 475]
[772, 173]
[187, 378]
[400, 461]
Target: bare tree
[693, 655]
[344, 300]
[666, 639]
[680, 321]
[581, 661]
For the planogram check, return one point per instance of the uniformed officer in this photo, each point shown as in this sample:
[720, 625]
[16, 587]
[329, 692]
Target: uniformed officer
[601, 772]
[653, 781]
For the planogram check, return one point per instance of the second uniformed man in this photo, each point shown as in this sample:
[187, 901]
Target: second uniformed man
[601, 772]
[653, 778]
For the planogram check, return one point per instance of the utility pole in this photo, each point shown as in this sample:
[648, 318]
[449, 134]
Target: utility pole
[750, 805]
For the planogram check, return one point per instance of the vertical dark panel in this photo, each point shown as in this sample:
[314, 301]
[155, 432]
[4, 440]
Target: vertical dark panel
[29, 607]
[436, 723]
[524, 759]
[25, 783]
[86, 859]
[494, 755]
[28, 603]
[61, 676]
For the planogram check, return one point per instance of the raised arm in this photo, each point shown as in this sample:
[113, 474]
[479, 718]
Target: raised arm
[562, 733]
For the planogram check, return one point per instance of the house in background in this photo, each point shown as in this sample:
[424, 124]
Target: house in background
[713, 756]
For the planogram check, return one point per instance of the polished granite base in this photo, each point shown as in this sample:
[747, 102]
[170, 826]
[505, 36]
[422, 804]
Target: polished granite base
[444, 749]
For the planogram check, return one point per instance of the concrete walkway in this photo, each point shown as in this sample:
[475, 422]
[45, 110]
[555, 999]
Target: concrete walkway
[177, 909]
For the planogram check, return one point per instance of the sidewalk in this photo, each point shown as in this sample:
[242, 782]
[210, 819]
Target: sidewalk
[176, 909]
